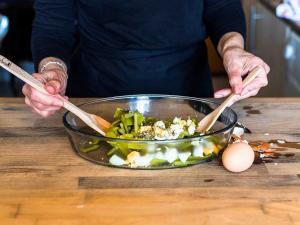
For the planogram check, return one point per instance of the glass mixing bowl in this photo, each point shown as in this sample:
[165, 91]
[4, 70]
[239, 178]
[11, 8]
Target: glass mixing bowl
[150, 154]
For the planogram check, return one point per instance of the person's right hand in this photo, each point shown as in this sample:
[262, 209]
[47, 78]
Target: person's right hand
[55, 81]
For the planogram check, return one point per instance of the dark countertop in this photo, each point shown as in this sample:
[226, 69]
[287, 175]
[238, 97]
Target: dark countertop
[271, 5]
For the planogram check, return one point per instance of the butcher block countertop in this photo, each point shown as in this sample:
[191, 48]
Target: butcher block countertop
[43, 182]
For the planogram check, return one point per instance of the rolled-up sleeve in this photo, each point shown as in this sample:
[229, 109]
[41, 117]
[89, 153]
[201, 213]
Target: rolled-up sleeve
[223, 16]
[53, 30]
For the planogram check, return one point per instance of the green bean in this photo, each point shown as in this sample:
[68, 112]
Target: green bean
[112, 151]
[89, 148]
[136, 126]
[158, 162]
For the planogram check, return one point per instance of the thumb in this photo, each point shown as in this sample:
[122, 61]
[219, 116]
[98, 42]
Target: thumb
[235, 81]
[53, 87]
[222, 93]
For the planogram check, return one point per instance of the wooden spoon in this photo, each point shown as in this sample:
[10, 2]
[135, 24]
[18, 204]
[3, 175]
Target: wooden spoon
[95, 122]
[209, 120]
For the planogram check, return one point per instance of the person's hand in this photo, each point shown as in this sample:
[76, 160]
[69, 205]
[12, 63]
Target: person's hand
[238, 63]
[55, 81]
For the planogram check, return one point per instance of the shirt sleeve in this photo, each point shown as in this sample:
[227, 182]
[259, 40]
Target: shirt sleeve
[53, 30]
[223, 16]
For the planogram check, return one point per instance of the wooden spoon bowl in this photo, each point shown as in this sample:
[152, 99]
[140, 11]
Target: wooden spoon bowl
[209, 120]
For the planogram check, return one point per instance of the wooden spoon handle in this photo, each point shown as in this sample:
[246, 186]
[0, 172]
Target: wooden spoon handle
[21, 74]
[27, 78]
[250, 77]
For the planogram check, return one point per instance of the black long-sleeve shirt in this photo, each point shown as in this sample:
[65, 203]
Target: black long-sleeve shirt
[134, 46]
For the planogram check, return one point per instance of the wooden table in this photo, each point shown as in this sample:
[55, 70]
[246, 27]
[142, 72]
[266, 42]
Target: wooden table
[42, 181]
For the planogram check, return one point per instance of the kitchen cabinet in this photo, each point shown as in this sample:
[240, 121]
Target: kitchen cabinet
[272, 39]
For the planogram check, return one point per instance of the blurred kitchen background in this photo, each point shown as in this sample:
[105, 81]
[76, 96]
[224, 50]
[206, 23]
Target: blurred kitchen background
[273, 38]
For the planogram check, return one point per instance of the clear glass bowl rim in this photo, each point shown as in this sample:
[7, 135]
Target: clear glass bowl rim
[124, 97]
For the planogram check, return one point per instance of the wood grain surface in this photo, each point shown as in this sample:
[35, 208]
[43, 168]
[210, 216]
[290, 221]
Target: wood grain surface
[43, 182]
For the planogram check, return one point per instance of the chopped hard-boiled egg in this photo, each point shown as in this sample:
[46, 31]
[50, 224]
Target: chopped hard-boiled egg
[131, 158]
[198, 151]
[144, 160]
[191, 129]
[117, 160]
[159, 155]
[160, 124]
[183, 156]
[175, 130]
[135, 159]
[171, 154]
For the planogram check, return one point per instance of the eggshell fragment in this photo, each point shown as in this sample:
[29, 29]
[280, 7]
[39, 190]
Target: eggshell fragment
[238, 131]
[238, 157]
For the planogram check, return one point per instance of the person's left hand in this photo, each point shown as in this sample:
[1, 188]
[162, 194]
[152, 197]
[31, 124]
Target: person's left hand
[238, 63]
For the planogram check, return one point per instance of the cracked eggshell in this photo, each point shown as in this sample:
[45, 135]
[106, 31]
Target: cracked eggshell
[238, 131]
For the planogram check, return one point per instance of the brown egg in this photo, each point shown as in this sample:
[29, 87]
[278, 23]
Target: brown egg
[238, 157]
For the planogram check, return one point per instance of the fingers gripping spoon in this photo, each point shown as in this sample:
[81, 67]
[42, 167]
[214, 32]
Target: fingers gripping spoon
[95, 122]
[209, 120]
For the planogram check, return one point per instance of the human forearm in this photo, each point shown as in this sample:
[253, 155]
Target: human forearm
[53, 63]
[230, 41]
